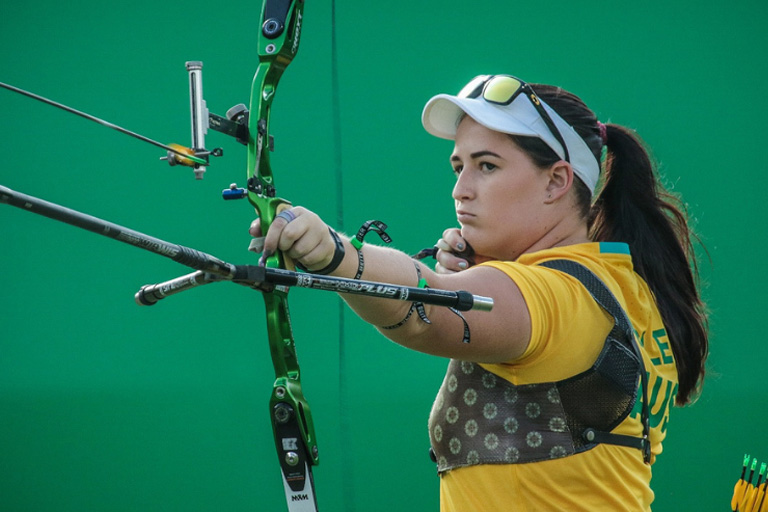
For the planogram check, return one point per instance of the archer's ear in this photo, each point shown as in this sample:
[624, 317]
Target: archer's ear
[560, 181]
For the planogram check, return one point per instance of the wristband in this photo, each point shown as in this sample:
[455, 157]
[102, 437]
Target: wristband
[338, 257]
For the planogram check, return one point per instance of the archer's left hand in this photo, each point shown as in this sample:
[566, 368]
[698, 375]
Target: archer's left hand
[300, 234]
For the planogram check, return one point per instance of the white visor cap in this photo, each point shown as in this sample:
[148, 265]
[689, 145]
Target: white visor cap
[443, 112]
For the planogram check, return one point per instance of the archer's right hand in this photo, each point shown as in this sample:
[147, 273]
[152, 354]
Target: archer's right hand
[455, 254]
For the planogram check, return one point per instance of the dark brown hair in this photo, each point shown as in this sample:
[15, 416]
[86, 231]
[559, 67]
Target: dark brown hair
[632, 206]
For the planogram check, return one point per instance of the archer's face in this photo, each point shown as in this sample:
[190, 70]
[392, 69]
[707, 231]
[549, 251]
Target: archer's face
[499, 192]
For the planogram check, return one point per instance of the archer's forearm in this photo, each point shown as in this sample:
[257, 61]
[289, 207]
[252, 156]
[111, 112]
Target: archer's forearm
[380, 264]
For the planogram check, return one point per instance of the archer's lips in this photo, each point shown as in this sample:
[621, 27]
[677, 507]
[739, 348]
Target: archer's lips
[464, 217]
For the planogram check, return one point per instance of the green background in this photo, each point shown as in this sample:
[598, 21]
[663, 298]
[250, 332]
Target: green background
[108, 406]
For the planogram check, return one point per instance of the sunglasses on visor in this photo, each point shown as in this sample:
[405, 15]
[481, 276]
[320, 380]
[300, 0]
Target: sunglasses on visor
[502, 90]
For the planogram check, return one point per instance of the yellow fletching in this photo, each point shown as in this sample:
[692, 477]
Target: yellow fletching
[180, 159]
[759, 493]
[738, 494]
[761, 503]
[749, 499]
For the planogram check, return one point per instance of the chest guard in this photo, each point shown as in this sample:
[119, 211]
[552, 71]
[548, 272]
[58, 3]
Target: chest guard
[481, 418]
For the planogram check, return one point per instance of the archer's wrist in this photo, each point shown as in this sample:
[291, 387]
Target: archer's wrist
[338, 257]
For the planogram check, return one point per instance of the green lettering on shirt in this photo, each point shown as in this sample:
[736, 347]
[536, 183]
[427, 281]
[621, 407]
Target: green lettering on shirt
[661, 416]
[666, 356]
[662, 391]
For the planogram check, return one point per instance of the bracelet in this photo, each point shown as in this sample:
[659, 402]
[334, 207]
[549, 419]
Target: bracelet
[419, 308]
[401, 322]
[338, 257]
[415, 306]
[372, 225]
[360, 261]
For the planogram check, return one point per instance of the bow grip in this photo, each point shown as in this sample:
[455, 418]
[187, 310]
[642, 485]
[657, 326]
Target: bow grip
[257, 243]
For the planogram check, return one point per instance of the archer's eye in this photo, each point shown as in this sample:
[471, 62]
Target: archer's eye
[487, 167]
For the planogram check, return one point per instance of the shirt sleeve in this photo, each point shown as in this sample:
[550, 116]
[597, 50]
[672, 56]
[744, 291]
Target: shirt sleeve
[568, 328]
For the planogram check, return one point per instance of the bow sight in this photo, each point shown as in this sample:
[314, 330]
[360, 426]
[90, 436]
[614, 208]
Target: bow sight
[235, 124]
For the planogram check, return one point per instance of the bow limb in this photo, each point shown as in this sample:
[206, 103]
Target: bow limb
[278, 44]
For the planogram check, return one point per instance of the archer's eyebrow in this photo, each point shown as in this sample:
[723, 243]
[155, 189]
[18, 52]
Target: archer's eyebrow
[476, 155]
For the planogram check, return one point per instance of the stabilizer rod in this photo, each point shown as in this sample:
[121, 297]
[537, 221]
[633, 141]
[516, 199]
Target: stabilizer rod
[212, 269]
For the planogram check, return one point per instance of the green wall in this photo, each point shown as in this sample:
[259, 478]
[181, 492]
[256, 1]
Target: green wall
[108, 406]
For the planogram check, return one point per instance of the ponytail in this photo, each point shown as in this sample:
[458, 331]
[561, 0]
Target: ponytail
[633, 207]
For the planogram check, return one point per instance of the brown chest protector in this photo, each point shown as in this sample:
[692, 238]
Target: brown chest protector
[481, 418]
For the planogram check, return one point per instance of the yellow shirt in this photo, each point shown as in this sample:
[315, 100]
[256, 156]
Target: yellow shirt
[568, 330]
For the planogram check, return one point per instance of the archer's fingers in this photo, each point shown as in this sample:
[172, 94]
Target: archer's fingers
[275, 234]
[440, 269]
[255, 229]
[448, 262]
[307, 239]
[452, 241]
[301, 235]
[451, 253]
